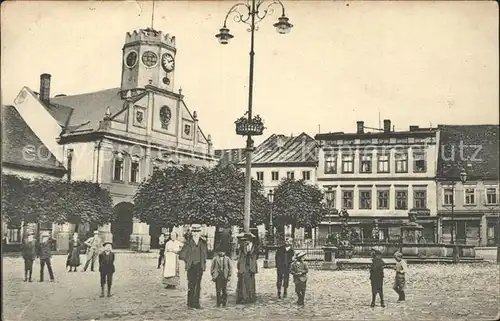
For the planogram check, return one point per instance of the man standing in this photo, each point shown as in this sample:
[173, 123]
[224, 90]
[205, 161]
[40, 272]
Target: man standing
[161, 246]
[284, 258]
[44, 253]
[107, 267]
[28, 252]
[93, 249]
[194, 253]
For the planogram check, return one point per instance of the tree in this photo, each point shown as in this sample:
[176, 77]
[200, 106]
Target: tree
[298, 204]
[14, 198]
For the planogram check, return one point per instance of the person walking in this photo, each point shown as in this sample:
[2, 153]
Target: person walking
[74, 253]
[161, 246]
[299, 271]
[400, 278]
[93, 244]
[107, 267]
[28, 251]
[44, 253]
[283, 258]
[221, 271]
[247, 268]
[377, 277]
[171, 265]
[194, 252]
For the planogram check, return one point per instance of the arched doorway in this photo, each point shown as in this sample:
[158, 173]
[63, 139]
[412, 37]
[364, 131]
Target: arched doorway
[122, 227]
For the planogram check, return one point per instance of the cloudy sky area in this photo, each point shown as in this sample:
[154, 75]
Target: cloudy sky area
[417, 63]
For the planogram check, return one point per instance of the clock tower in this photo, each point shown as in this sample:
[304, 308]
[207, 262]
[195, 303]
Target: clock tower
[148, 59]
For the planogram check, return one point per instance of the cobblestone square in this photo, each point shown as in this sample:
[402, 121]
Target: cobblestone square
[435, 292]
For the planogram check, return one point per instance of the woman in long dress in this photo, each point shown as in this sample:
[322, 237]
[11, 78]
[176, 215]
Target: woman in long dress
[74, 253]
[171, 265]
[247, 268]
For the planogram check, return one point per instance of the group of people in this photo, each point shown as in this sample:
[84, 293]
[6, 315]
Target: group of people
[96, 249]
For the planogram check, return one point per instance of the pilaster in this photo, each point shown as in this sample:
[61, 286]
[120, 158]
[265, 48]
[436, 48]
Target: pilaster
[483, 231]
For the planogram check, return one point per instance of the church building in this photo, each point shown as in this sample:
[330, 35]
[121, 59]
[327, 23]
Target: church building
[117, 137]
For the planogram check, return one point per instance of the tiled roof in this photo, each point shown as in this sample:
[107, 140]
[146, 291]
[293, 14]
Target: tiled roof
[85, 111]
[18, 141]
[472, 147]
[285, 149]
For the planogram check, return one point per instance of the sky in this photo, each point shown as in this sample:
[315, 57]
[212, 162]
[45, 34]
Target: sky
[416, 63]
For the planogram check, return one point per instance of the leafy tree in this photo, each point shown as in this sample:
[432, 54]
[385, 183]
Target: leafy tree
[14, 200]
[298, 204]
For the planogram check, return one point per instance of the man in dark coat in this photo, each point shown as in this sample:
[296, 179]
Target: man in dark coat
[284, 257]
[377, 277]
[28, 252]
[194, 253]
[44, 253]
[106, 267]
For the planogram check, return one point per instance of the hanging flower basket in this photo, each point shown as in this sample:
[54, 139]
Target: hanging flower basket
[245, 127]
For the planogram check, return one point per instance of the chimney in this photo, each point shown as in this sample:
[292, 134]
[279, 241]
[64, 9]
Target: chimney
[413, 128]
[360, 127]
[387, 125]
[45, 88]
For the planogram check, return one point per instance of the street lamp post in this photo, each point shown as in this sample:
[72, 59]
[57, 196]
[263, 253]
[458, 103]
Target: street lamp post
[463, 179]
[251, 126]
[271, 228]
[329, 206]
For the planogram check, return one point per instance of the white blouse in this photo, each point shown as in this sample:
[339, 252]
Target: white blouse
[173, 246]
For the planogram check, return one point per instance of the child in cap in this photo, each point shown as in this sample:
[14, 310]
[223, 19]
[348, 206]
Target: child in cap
[107, 267]
[399, 280]
[221, 270]
[299, 271]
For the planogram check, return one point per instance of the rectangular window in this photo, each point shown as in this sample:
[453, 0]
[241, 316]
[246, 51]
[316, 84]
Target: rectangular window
[331, 164]
[491, 196]
[366, 164]
[470, 196]
[419, 162]
[134, 172]
[331, 199]
[420, 199]
[306, 175]
[401, 140]
[383, 162]
[260, 176]
[383, 199]
[275, 176]
[290, 175]
[347, 199]
[401, 158]
[401, 200]
[365, 200]
[118, 170]
[448, 196]
[347, 163]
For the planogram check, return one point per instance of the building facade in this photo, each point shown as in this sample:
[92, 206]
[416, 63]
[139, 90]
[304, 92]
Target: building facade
[117, 137]
[469, 209]
[380, 176]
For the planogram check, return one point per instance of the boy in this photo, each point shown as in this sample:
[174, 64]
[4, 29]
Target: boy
[283, 258]
[377, 277]
[44, 253]
[106, 267]
[299, 271]
[221, 274]
[399, 281]
[29, 253]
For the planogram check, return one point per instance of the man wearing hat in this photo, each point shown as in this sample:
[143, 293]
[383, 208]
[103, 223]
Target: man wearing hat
[28, 252]
[93, 248]
[44, 253]
[107, 267]
[299, 271]
[247, 268]
[194, 253]
[283, 258]
[377, 276]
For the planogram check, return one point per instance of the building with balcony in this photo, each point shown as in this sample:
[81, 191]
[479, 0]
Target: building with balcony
[117, 137]
[468, 207]
[380, 176]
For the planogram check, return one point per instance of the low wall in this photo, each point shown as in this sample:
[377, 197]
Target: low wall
[421, 250]
[487, 253]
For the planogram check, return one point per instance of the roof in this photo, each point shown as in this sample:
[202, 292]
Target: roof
[85, 111]
[472, 147]
[230, 156]
[21, 146]
[279, 149]
[417, 132]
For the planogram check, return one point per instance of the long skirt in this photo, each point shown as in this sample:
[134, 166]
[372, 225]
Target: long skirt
[245, 290]
[74, 258]
[171, 269]
[399, 282]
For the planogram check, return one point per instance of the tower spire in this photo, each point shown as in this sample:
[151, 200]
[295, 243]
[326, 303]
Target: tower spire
[153, 15]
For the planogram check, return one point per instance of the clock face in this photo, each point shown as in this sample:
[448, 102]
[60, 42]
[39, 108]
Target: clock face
[131, 59]
[167, 62]
[149, 59]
